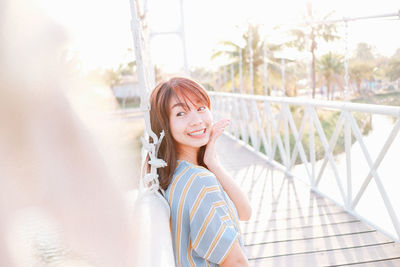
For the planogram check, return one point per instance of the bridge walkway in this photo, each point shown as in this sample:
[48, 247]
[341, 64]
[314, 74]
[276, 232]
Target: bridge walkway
[293, 226]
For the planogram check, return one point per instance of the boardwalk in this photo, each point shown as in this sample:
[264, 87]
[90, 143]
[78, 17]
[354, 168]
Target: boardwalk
[292, 226]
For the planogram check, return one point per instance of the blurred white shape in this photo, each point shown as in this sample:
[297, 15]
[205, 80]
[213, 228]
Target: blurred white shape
[151, 215]
[49, 160]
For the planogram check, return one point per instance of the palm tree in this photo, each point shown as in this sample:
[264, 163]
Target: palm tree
[362, 64]
[313, 32]
[360, 70]
[113, 76]
[364, 52]
[393, 69]
[232, 51]
[330, 65]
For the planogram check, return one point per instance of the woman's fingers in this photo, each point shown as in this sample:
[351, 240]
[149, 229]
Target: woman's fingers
[219, 127]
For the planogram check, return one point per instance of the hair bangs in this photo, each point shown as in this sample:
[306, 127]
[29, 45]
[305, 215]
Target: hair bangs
[189, 91]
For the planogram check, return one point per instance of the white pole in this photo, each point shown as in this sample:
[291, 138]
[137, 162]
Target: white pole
[183, 37]
[345, 19]
[225, 75]
[265, 65]
[346, 62]
[241, 70]
[143, 70]
[283, 75]
[232, 78]
[215, 79]
[251, 60]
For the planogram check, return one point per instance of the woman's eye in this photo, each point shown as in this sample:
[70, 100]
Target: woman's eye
[201, 108]
[180, 114]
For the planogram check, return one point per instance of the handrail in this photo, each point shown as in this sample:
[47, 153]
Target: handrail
[267, 122]
[340, 105]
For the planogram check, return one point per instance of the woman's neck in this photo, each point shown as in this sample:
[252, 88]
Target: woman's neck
[189, 155]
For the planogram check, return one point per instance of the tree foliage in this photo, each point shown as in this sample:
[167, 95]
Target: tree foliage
[393, 70]
[330, 65]
[308, 35]
[232, 51]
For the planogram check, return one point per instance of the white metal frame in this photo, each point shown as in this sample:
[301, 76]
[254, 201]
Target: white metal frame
[267, 121]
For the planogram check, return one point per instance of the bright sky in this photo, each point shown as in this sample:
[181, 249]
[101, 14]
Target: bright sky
[101, 28]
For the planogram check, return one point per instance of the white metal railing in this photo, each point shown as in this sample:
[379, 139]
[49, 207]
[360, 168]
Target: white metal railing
[268, 125]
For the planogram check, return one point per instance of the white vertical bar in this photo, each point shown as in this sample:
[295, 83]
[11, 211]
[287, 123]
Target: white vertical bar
[183, 38]
[298, 146]
[286, 133]
[251, 60]
[235, 118]
[311, 147]
[258, 129]
[373, 166]
[241, 70]
[225, 77]
[283, 76]
[265, 69]
[346, 62]
[347, 144]
[269, 118]
[328, 149]
[245, 134]
[232, 78]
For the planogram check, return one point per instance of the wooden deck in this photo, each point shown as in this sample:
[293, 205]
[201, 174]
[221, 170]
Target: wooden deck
[293, 226]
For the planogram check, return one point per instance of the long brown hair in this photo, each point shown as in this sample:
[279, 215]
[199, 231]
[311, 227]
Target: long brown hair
[185, 90]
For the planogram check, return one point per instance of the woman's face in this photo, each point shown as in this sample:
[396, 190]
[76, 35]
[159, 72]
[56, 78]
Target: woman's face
[190, 124]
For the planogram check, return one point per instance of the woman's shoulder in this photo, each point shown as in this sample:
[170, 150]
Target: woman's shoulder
[190, 168]
[192, 177]
[197, 174]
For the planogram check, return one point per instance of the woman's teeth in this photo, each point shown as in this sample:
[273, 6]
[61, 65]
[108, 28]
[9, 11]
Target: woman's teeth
[198, 132]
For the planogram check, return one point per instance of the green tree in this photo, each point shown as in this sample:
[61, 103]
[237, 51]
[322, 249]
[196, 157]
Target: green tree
[112, 76]
[364, 52]
[330, 65]
[307, 38]
[231, 50]
[359, 70]
[393, 69]
[362, 64]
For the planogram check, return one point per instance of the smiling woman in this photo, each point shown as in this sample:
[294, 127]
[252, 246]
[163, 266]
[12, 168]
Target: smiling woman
[206, 204]
[169, 101]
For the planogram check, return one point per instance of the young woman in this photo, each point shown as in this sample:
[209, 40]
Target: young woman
[205, 202]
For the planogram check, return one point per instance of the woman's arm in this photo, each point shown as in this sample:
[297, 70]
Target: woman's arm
[234, 192]
[230, 186]
[235, 257]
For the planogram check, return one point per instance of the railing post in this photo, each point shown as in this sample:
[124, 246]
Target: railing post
[269, 128]
[234, 121]
[286, 134]
[245, 128]
[254, 129]
[311, 135]
[348, 143]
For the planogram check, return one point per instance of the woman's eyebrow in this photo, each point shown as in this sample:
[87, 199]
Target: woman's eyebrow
[180, 104]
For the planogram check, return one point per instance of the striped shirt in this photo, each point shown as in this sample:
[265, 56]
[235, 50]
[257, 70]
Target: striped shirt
[204, 221]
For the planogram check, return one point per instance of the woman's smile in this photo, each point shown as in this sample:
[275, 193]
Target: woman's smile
[198, 133]
[190, 123]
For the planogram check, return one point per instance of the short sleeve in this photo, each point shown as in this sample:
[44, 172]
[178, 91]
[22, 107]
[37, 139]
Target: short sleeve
[212, 230]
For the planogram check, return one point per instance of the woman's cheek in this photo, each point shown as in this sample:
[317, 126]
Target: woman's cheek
[210, 116]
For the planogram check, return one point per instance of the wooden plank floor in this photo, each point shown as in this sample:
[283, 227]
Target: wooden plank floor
[293, 226]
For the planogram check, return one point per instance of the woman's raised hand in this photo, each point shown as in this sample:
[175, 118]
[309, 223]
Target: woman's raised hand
[210, 157]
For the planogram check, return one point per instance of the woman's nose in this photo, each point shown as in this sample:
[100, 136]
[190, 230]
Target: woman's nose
[196, 119]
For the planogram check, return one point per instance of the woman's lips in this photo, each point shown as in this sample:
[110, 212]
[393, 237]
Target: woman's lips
[197, 132]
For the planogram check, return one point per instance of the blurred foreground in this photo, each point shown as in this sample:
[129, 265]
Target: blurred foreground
[66, 164]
